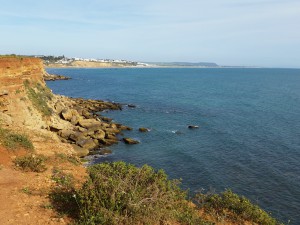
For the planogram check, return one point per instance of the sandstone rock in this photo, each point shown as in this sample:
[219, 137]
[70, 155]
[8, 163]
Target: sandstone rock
[3, 92]
[105, 151]
[112, 131]
[99, 134]
[122, 127]
[67, 114]
[87, 144]
[59, 107]
[130, 141]
[78, 136]
[111, 136]
[143, 129]
[89, 123]
[74, 120]
[80, 152]
[5, 119]
[65, 133]
[106, 119]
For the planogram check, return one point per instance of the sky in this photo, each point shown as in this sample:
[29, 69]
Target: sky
[227, 32]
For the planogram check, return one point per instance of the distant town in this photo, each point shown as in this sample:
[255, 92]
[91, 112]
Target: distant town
[63, 61]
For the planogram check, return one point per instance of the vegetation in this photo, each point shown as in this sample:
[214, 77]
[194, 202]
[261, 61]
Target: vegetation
[120, 193]
[234, 207]
[68, 158]
[39, 95]
[13, 140]
[33, 163]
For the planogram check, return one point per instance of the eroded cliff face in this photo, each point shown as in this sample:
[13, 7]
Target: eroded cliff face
[21, 80]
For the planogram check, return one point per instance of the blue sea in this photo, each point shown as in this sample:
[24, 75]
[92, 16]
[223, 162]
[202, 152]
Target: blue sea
[249, 127]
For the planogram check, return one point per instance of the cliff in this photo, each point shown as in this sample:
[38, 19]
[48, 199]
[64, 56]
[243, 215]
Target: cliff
[17, 76]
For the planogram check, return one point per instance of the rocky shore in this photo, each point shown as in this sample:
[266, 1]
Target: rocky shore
[53, 77]
[86, 129]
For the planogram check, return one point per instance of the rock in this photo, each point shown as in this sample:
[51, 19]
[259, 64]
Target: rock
[105, 151]
[81, 129]
[59, 107]
[80, 152]
[122, 127]
[3, 92]
[87, 144]
[67, 114]
[5, 119]
[112, 131]
[130, 141]
[193, 127]
[106, 119]
[89, 123]
[74, 120]
[77, 136]
[143, 129]
[65, 133]
[99, 134]
[111, 136]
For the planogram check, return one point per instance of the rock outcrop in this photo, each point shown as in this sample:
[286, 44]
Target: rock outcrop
[25, 101]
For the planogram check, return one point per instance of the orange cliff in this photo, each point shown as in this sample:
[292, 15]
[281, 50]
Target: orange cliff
[15, 70]
[17, 108]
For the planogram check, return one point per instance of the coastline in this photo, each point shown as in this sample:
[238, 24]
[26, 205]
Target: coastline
[51, 122]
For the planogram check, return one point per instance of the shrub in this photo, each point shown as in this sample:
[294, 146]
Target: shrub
[120, 193]
[34, 163]
[234, 207]
[13, 140]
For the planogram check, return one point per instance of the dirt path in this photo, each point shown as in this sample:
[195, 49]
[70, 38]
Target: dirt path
[24, 195]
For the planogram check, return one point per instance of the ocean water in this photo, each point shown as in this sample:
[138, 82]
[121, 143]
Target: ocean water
[249, 135]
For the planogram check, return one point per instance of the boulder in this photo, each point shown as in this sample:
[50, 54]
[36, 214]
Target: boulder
[89, 123]
[122, 127]
[143, 129]
[80, 152]
[105, 151]
[111, 136]
[106, 119]
[99, 134]
[3, 92]
[87, 143]
[59, 107]
[65, 133]
[130, 141]
[67, 114]
[78, 136]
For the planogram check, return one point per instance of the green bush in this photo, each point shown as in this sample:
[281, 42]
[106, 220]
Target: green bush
[234, 207]
[120, 193]
[62, 194]
[13, 140]
[34, 163]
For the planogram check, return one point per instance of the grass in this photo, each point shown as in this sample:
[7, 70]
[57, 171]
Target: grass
[234, 207]
[26, 190]
[39, 95]
[68, 158]
[33, 163]
[12, 140]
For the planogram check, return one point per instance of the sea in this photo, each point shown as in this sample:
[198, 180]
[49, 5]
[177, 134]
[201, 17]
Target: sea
[248, 138]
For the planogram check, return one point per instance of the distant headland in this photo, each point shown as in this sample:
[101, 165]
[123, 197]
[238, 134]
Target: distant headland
[74, 62]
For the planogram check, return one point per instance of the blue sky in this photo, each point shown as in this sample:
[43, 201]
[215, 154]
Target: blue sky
[228, 32]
